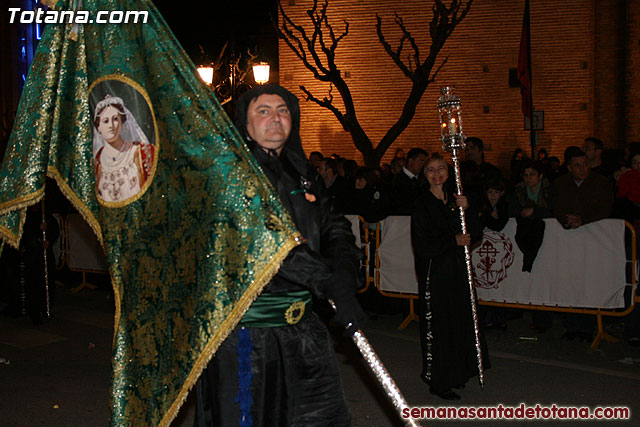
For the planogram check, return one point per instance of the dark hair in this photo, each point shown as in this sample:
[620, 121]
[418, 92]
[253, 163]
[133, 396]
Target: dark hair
[369, 175]
[330, 163]
[516, 152]
[532, 164]
[415, 152]
[572, 152]
[494, 184]
[475, 141]
[597, 144]
[543, 151]
[316, 153]
[117, 106]
[433, 158]
[349, 167]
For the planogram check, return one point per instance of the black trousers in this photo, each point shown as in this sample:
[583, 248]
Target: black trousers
[295, 380]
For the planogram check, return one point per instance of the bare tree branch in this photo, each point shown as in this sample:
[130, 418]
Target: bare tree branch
[318, 55]
[326, 102]
[406, 35]
[387, 47]
[433, 77]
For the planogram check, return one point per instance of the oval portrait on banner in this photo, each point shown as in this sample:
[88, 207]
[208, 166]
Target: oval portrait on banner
[125, 139]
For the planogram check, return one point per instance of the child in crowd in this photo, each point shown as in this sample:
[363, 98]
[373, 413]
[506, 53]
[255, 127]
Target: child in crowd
[494, 213]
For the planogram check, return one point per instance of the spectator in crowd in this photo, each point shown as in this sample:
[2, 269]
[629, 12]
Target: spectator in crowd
[625, 161]
[369, 199]
[593, 149]
[349, 168]
[397, 164]
[399, 154]
[543, 156]
[476, 172]
[580, 197]
[446, 325]
[495, 212]
[552, 169]
[628, 191]
[314, 159]
[336, 185]
[409, 184]
[530, 204]
[494, 216]
[516, 167]
[627, 207]
[532, 197]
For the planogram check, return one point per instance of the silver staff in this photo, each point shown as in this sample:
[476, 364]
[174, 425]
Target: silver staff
[380, 372]
[452, 139]
[43, 226]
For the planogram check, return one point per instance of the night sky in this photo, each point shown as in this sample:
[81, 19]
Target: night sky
[245, 24]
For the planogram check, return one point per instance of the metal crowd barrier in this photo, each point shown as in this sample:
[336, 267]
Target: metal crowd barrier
[631, 261]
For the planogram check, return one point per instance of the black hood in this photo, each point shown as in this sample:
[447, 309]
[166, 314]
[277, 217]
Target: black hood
[293, 147]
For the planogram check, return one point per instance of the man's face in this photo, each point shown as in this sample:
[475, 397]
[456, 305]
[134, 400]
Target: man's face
[323, 170]
[269, 121]
[416, 164]
[579, 167]
[473, 153]
[589, 148]
[314, 159]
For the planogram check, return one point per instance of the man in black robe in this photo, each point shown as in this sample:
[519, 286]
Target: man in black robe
[277, 368]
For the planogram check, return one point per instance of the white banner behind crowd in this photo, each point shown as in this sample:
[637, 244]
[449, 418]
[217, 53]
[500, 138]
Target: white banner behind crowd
[397, 268]
[584, 267]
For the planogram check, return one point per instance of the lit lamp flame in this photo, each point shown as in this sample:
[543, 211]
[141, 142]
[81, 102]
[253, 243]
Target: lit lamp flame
[206, 74]
[450, 111]
[261, 72]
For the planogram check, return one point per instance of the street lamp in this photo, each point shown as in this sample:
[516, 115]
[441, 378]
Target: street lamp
[228, 86]
[261, 72]
[206, 73]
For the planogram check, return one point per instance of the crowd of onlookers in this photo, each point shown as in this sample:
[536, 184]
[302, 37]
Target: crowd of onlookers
[590, 184]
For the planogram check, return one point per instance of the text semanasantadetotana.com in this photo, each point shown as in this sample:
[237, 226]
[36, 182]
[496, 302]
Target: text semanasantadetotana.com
[521, 412]
[17, 15]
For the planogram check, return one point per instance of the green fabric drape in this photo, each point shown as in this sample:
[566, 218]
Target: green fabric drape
[205, 233]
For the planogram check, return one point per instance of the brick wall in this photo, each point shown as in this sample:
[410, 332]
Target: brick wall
[481, 51]
[632, 92]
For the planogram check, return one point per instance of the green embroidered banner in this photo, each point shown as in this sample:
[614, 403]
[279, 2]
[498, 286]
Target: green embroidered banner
[190, 226]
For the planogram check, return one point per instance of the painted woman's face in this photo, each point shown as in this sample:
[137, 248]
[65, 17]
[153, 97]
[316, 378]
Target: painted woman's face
[437, 172]
[110, 124]
[635, 162]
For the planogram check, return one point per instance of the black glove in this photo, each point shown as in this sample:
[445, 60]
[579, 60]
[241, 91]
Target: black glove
[341, 290]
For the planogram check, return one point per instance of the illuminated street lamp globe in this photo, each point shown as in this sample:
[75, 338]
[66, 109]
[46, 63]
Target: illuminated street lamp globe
[261, 72]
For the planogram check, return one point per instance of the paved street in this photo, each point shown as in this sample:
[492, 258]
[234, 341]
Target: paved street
[57, 374]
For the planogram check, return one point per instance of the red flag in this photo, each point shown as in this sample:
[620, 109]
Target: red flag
[524, 63]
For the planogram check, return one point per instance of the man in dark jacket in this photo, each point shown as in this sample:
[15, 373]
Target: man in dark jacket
[580, 197]
[278, 367]
[409, 184]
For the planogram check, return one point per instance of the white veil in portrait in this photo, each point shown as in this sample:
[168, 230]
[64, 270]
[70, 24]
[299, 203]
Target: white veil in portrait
[131, 131]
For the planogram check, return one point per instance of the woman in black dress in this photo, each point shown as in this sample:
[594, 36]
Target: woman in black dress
[446, 325]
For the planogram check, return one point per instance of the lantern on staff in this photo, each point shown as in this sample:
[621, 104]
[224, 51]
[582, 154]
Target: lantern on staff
[450, 111]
